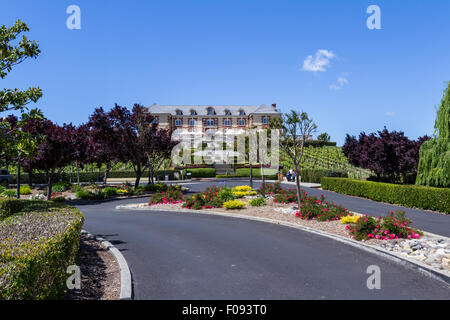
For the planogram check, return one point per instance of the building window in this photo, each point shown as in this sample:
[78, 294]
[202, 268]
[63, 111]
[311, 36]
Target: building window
[210, 123]
[179, 113]
[227, 112]
[155, 120]
[210, 111]
[265, 120]
[241, 112]
[241, 122]
[227, 123]
[178, 123]
[193, 113]
[191, 122]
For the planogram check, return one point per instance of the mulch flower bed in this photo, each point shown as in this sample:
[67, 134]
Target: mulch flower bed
[100, 274]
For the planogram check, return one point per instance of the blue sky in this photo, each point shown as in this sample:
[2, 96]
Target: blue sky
[242, 52]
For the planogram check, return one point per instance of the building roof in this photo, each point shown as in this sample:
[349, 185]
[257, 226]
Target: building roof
[220, 110]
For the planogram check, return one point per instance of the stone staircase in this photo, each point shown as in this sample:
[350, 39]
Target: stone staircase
[223, 169]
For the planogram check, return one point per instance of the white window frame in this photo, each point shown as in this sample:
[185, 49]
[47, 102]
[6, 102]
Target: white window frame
[209, 121]
[240, 121]
[178, 122]
[225, 123]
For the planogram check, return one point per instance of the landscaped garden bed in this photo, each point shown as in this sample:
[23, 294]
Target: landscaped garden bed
[63, 191]
[392, 231]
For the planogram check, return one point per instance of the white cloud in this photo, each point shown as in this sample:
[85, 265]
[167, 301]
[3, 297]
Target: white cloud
[319, 62]
[334, 87]
[390, 114]
[341, 82]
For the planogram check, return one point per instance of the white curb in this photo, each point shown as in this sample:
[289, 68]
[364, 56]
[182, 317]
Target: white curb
[407, 262]
[126, 287]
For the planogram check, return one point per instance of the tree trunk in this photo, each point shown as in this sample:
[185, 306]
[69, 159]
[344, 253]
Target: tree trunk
[263, 182]
[49, 184]
[18, 181]
[251, 175]
[30, 178]
[107, 170]
[78, 174]
[138, 172]
[150, 175]
[297, 180]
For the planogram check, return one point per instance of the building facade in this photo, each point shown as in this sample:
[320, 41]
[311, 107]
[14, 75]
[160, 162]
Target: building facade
[213, 119]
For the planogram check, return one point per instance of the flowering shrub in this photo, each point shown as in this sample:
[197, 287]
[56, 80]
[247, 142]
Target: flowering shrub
[204, 200]
[234, 204]
[350, 219]
[241, 194]
[272, 189]
[242, 189]
[394, 226]
[288, 196]
[172, 195]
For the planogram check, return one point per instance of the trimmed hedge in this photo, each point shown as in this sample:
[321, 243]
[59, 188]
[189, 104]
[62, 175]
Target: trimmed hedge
[33, 264]
[429, 198]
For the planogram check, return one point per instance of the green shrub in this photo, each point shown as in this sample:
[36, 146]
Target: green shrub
[202, 172]
[87, 195]
[33, 264]
[234, 205]
[226, 194]
[9, 193]
[25, 190]
[157, 187]
[258, 202]
[421, 197]
[110, 192]
[59, 188]
[2, 189]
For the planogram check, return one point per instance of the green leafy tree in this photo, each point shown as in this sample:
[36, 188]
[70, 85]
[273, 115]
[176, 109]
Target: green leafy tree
[324, 137]
[434, 162]
[13, 52]
[295, 129]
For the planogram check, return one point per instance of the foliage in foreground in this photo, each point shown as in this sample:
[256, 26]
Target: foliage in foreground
[36, 247]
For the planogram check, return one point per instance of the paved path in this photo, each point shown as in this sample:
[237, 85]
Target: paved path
[422, 219]
[193, 256]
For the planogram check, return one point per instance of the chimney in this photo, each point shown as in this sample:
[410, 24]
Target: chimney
[274, 106]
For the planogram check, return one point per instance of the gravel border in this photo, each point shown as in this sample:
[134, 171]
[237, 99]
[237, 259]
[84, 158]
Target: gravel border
[412, 264]
[126, 287]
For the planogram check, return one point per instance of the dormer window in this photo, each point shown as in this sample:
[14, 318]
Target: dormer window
[241, 112]
[179, 113]
[227, 112]
[210, 111]
[193, 113]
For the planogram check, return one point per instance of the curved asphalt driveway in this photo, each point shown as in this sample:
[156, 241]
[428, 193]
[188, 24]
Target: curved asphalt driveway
[194, 256]
[425, 220]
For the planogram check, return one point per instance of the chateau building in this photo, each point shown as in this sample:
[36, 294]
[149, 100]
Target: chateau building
[213, 119]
